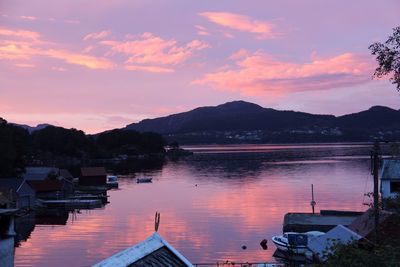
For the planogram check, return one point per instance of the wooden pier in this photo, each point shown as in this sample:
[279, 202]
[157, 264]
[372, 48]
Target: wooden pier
[72, 203]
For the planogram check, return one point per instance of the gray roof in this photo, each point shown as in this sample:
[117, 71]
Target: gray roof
[322, 245]
[39, 173]
[390, 169]
[154, 251]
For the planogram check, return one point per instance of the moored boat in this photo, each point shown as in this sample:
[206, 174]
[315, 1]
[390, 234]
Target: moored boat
[144, 180]
[112, 181]
[294, 242]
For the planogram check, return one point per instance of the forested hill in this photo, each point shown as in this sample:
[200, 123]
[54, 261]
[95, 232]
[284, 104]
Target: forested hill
[239, 121]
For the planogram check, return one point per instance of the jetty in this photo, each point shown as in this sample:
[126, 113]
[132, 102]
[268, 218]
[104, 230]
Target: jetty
[72, 203]
[323, 221]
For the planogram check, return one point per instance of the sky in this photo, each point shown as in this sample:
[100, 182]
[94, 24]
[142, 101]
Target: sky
[98, 65]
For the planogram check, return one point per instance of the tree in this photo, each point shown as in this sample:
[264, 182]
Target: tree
[388, 57]
[14, 142]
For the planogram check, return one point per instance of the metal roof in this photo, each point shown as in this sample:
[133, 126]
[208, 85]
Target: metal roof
[322, 245]
[154, 251]
[390, 169]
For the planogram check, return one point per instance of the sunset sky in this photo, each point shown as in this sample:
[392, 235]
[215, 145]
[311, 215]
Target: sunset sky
[97, 65]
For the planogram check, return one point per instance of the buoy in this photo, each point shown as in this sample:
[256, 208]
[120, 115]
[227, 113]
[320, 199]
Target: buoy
[264, 243]
[244, 247]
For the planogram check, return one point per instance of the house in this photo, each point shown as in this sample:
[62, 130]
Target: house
[390, 178]
[154, 251]
[93, 176]
[49, 182]
[18, 192]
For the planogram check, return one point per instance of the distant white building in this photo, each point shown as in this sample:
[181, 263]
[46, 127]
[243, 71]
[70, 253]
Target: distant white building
[390, 178]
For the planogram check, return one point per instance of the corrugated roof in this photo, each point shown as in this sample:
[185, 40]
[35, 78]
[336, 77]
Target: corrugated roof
[46, 185]
[321, 245]
[390, 169]
[151, 251]
[93, 171]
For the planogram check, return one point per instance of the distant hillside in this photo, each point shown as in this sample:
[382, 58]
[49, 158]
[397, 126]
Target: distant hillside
[239, 121]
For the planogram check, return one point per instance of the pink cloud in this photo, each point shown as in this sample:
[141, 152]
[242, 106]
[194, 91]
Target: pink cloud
[24, 65]
[154, 69]
[96, 35]
[20, 34]
[148, 52]
[201, 30]
[150, 49]
[27, 17]
[262, 29]
[34, 47]
[256, 73]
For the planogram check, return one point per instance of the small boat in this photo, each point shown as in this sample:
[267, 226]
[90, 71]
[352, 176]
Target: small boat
[294, 242]
[144, 180]
[112, 181]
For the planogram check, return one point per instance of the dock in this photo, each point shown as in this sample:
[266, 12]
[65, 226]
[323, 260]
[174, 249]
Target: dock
[72, 203]
[323, 221]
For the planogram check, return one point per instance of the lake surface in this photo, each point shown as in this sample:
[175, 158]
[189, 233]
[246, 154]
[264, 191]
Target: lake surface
[211, 204]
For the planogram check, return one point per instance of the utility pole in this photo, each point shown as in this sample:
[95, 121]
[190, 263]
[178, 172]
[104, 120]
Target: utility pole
[375, 171]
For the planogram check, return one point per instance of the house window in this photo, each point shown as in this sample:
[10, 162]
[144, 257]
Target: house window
[394, 187]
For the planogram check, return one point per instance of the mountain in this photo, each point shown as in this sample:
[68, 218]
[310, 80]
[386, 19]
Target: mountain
[32, 129]
[241, 121]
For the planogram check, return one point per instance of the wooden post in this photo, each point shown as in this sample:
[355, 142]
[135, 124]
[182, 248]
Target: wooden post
[375, 170]
[313, 203]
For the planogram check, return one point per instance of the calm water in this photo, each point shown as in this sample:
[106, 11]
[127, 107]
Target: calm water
[241, 196]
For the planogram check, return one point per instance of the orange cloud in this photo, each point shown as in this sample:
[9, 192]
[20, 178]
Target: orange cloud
[96, 35]
[262, 29]
[254, 73]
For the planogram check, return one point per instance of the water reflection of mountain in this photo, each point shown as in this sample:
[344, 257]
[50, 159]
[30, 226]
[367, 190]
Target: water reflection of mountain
[249, 164]
[25, 225]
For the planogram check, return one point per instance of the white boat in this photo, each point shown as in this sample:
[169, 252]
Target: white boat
[112, 181]
[294, 242]
[144, 180]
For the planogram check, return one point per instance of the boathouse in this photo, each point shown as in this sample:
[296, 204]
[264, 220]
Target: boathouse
[49, 188]
[18, 192]
[93, 176]
[390, 178]
[154, 251]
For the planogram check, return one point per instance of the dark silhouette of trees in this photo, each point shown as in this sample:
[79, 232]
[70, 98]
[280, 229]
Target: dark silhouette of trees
[388, 57]
[61, 141]
[130, 142]
[14, 144]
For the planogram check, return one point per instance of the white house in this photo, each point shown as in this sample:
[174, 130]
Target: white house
[390, 178]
